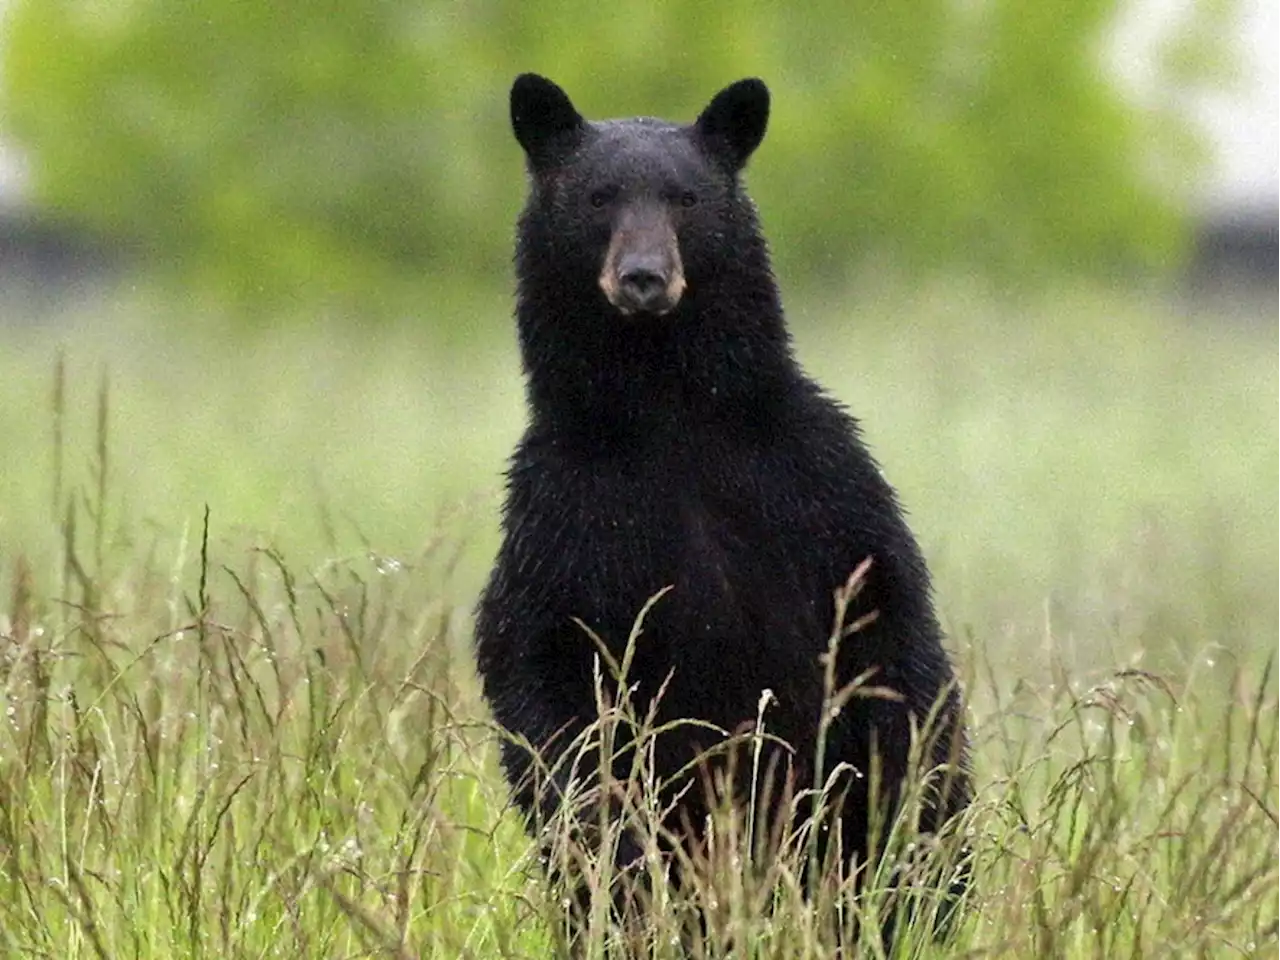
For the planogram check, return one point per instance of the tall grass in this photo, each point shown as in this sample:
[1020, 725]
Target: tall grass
[214, 748]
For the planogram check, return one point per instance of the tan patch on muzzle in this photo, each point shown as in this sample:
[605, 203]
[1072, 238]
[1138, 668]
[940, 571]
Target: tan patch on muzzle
[643, 271]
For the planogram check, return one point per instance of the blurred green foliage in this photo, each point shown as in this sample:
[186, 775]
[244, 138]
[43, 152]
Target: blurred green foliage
[276, 152]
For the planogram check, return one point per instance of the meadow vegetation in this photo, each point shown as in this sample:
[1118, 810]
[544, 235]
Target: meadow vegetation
[240, 718]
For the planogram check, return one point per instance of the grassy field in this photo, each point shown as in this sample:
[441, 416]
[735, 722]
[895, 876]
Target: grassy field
[261, 737]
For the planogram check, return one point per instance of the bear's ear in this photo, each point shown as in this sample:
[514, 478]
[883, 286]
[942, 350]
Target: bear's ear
[543, 118]
[734, 122]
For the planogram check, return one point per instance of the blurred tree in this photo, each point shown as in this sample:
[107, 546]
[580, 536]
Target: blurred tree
[277, 152]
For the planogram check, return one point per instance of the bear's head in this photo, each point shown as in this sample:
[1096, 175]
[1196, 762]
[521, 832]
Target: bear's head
[639, 214]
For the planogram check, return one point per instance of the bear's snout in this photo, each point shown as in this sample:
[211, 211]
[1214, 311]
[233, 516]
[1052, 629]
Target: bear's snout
[643, 272]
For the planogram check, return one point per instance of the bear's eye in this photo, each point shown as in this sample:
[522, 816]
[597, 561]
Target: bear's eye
[688, 199]
[600, 198]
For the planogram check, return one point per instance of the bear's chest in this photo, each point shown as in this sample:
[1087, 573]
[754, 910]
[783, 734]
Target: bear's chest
[734, 538]
[738, 547]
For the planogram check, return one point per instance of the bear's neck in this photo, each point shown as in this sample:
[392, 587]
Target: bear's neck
[722, 359]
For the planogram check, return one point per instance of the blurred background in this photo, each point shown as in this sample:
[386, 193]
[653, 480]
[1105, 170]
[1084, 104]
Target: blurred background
[1033, 245]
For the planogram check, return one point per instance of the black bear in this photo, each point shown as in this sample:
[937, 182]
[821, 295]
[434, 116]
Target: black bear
[674, 441]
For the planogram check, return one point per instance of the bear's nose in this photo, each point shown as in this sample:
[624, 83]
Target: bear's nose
[642, 272]
[643, 285]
